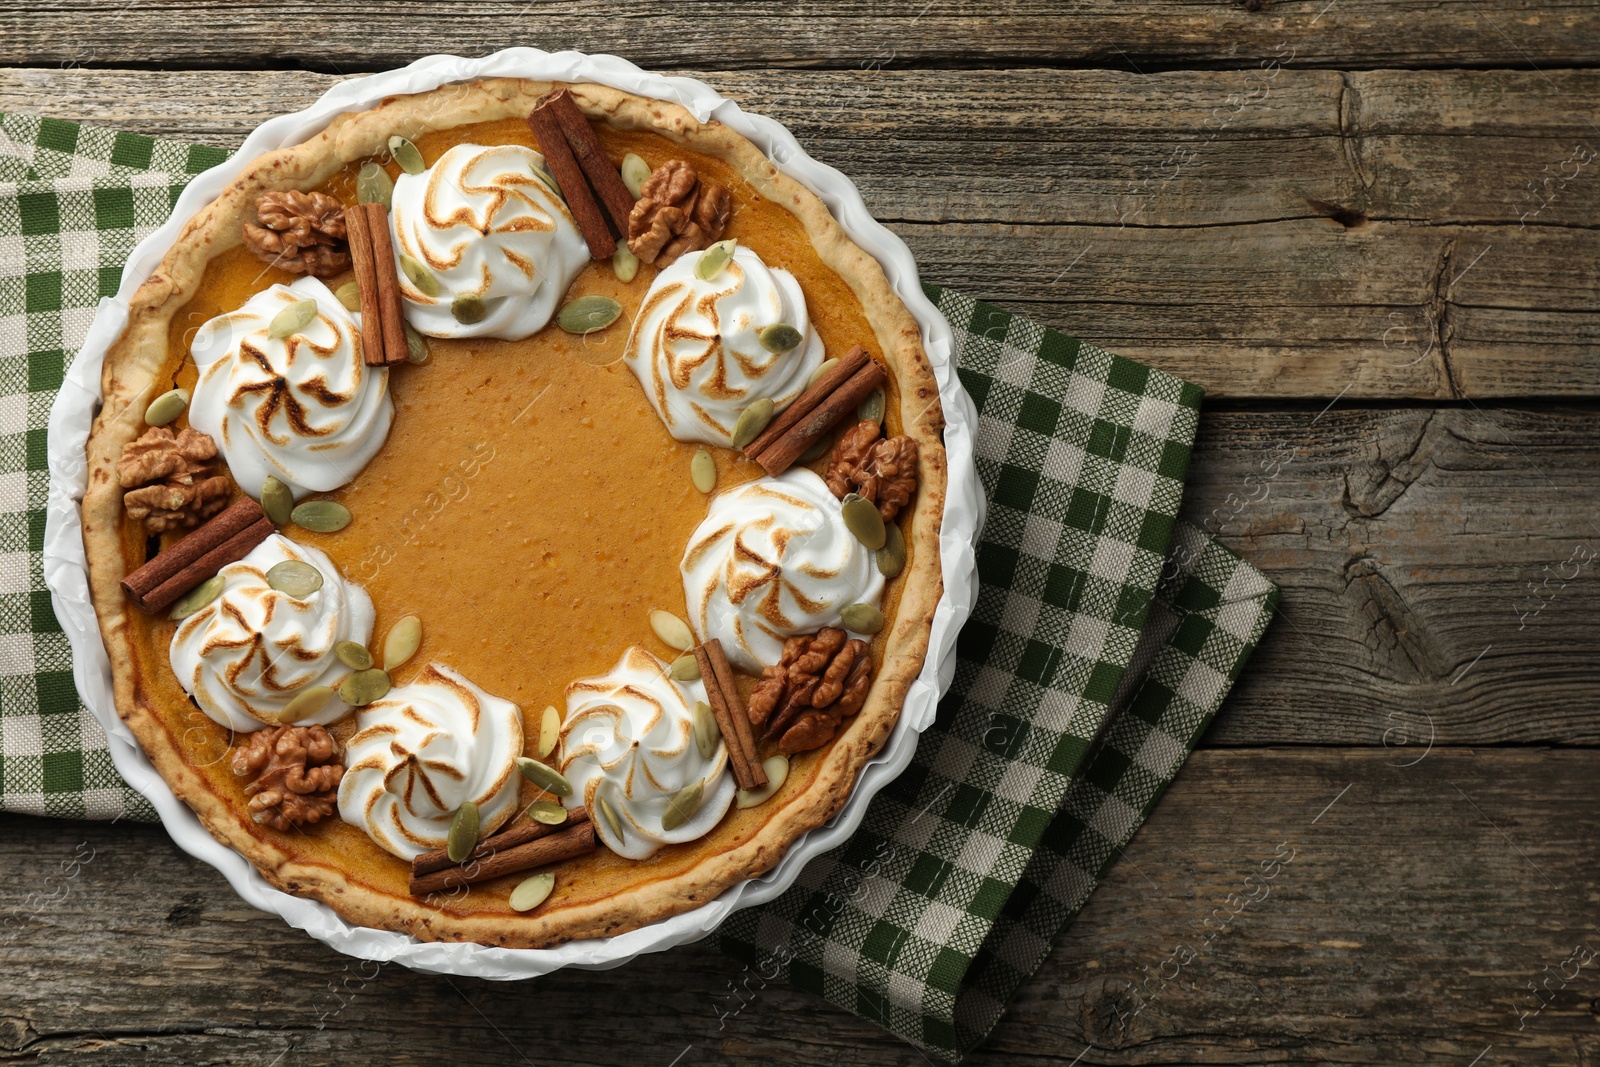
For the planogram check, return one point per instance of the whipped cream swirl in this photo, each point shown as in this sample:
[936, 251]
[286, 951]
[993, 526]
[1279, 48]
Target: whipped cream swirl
[424, 750]
[694, 345]
[772, 559]
[253, 649]
[304, 408]
[486, 224]
[628, 740]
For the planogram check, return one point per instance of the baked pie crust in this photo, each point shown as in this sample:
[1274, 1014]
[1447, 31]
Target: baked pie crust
[335, 863]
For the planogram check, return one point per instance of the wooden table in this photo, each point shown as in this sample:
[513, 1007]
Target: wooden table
[1367, 228]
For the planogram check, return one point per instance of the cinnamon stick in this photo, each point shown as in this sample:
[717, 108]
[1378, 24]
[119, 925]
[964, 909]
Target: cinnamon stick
[570, 842]
[794, 442]
[520, 832]
[391, 311]
[227, 536]
[601, 172]
[736, 709]
[747, 771]
[232, 550]
[585, 209]
[364, 263]
[807, 401]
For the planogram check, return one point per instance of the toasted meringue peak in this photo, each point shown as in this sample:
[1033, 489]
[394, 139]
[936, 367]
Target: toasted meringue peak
[628, 741]
[695, 346]
[421, 752]
[486, 224]
[248, 653]
[305, 408]
[773, 559]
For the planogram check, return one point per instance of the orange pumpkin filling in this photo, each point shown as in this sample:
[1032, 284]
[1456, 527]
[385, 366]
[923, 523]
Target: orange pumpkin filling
[528, 505]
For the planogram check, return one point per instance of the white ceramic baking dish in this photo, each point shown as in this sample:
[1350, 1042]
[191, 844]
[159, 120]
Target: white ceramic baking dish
[66, 574]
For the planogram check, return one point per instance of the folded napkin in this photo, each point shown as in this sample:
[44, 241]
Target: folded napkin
[1105, 635]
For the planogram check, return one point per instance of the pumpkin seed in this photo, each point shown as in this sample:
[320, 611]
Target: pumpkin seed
[713, 259]
[353, 654]
[416, 346]
[588, 314]
[373, 185]
[685, 669]
[295, 577]
[703, 724]
[752, 420]
[197, 598]
[873, 406]
[469, 308]
[549, 730]
[892, 556]
[363, 687]
[822, 368]
[673, 631]
[547, 812]
[542, 172]
[861, 618]
[307, 704]
[624, 264]
[401, 642]
[609, 814]
[817, 450]
[862, 519]
[777, 769]
[778, 338]
[463, 836]
[292, 319]
[703, 471]
[544, 776]
[634, 171]
[276, 500]
[684, 803]
[419, 275]
[349, 294]
[321, 516]
[407, 155]
[532, 891]
[166, 407]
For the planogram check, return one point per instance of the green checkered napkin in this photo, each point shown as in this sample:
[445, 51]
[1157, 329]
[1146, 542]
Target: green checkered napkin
[1104, 638]
[1105, 635]
[73, 203]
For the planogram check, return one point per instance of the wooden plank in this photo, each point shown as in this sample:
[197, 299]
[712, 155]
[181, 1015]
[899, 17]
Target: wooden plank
[1302, 309]
[1072, 147]
[1214, 258]
[1112, 148]
[1440, 572]
[339, 35]
[1404, 926]
[1419, 903]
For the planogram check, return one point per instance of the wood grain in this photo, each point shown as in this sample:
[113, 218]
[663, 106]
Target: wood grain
[1323, 233]
[1404, 928]
[1290, 309]
[1073, 147]
[339, 35]
[1289, 202]
[1440, 571]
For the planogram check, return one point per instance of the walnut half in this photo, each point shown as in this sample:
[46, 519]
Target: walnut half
[300, 232]
[882, 471]
[293, 773]
[676, 213]
[821, 680]
[170, 479]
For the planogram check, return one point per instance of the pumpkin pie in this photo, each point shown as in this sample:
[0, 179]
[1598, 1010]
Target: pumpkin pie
[513, 515]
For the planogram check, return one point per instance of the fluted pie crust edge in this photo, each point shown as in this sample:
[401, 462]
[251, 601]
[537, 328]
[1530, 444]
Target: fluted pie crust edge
[130, 381]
